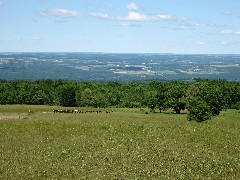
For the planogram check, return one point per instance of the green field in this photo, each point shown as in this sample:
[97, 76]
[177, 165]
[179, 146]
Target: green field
[123, 144]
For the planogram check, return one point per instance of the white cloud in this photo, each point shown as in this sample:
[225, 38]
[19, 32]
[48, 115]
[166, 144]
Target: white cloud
[228, 13]
[102, 16]
[135, 16]
[200, 43]
[60, 13]
[164, 17]
[132, 7]
[237, 33]
[200, 24]
[226, 31]
[230, 32]
[127, 24]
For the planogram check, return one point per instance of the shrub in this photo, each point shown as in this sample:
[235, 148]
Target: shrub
[236, 106]
[199, 111]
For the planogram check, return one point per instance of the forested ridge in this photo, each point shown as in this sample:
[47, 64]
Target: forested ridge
[203, 98]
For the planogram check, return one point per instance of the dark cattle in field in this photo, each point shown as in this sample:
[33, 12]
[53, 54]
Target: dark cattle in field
[78, 111]
[69, 111]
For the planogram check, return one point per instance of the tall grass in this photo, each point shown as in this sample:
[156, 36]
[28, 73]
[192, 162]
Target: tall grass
[125, 144]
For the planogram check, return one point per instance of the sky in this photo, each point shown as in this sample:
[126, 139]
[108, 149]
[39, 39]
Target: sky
[143, 26]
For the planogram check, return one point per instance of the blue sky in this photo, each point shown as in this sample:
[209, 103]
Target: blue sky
[143, 26]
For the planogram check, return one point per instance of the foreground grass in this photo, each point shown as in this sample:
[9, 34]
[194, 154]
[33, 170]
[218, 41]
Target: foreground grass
[125, 144]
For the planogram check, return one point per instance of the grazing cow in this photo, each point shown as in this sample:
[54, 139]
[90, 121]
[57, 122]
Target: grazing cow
[75, 111]
[78, 111]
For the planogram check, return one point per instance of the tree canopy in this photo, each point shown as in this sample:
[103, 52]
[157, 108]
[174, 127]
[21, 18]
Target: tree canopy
[205, 95]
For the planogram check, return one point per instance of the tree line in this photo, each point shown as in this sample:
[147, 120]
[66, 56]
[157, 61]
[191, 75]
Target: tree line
[202, 98]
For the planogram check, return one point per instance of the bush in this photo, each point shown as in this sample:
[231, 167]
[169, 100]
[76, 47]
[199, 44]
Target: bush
[199, 111]
[236, 106]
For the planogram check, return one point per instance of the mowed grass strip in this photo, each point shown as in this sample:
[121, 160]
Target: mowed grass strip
[124, 144]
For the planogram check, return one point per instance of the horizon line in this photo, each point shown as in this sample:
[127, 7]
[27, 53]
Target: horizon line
[96, 52]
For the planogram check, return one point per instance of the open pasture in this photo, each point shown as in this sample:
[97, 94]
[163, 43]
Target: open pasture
[123, 144]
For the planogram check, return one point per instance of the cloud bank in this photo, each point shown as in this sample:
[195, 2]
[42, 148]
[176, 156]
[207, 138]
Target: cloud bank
[135, 16]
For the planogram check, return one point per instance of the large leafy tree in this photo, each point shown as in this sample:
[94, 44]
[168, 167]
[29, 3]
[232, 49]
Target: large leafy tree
[231, 93]
[175, 96]
[161, 96]
[85, 98]
[66, 95]
[132, 95]
[212, 93]
[114, 93]
[206, 98]
[199, 111]
[9, 93]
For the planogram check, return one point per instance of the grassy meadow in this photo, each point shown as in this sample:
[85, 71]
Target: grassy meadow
[123, 144]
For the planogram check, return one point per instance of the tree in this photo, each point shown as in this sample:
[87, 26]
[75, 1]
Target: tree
[231, 93]
[132, 95]
[114, 93]
[99, 99]
[85, 98]
[9, 93]
[212, 93]
[162, 96]
[175, 97]
[66, 95]
[199, 111]
[151, 96]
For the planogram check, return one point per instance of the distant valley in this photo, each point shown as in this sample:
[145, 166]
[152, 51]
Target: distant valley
[117, 67]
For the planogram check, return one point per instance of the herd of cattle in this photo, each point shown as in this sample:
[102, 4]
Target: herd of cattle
[78, 111]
